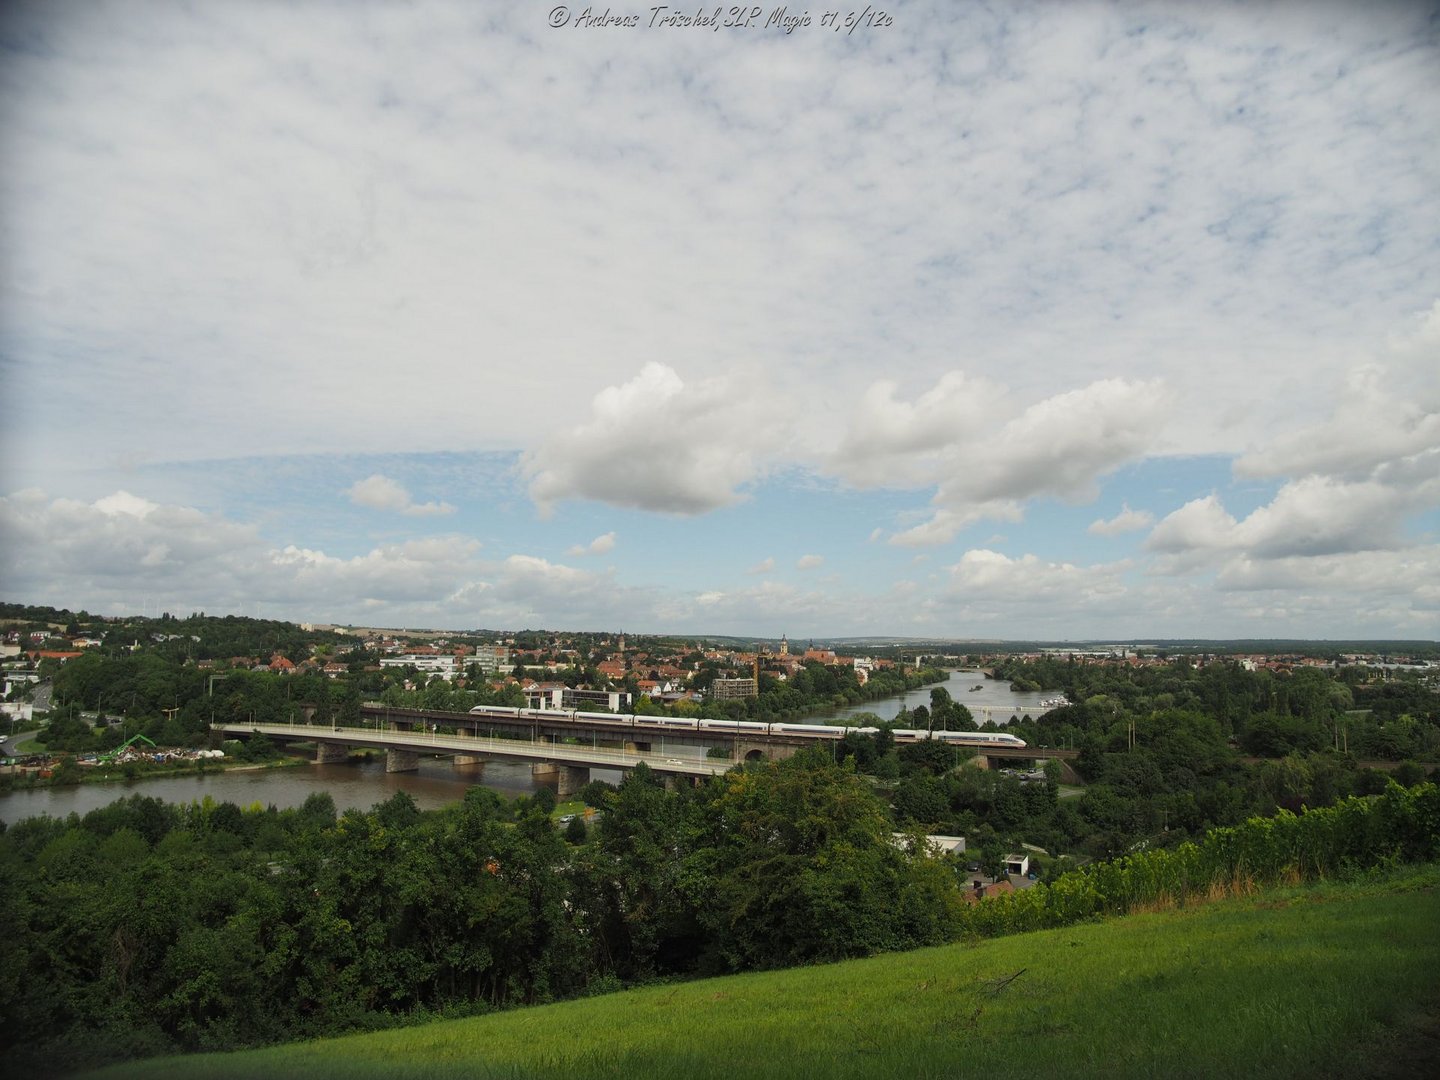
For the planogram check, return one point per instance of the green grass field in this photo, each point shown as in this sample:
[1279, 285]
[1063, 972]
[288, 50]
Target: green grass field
[1333, 980]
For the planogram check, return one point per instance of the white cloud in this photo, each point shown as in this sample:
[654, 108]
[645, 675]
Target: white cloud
[409, 571]
[986, 575]
[1200, 525]
[655, 443]
[1060, 446]
[1355, 480]
[379, 492]
[1311, 516]
[120, 550]
[601, 545]
[945, 524]
[1126, 521]
[764, 566]
[809, 562]
[890, 443]
[122, 502]
[440, 230]
[1059, 232]
[1384, 416]
[1411, 576]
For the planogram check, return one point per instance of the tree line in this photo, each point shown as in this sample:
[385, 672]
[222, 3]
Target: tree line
[144, 927]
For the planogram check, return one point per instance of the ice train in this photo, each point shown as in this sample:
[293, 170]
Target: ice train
[691, 723]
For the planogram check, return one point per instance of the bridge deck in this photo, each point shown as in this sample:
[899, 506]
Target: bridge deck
[511, 749]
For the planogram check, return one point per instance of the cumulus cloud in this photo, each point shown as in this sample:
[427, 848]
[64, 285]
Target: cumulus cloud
[1412, 575]
[809, 562]
[890, 443]
[1060, 447]
[656, 443]
[1126, 521]
[120, 543]
[414, 569]
[1357, 475]
[986, 575]
[379, 492]
[1311, 516]
[1131, 191]
[1385, 417]
[120, 549]
[1202, 524]
[764, 566]
[601, 545]
[1355, 480]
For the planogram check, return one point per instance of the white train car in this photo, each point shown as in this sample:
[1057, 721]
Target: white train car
[960, 738]
[690, 723]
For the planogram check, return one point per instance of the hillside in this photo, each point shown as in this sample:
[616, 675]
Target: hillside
[1326, 980]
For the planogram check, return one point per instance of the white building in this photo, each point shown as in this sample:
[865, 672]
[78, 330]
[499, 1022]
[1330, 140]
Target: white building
[442, 664]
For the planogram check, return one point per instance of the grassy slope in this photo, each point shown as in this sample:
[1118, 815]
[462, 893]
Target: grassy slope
[1297, 983]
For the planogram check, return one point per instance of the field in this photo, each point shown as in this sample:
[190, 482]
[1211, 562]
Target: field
[1331, 980]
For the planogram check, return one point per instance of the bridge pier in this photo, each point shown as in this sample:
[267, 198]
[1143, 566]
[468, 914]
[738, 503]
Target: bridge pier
[468, 759]
[751, 751]
[1068, 775]
[568, 778]
[572, 778]
[330, 753]
[401, 761]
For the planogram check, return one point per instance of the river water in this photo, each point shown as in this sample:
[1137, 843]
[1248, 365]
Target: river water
[355, 785]
[993, 701]
[362, 784]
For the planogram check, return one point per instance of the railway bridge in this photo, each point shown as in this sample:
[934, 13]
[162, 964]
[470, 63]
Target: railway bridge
[565, 747]
[565, 756]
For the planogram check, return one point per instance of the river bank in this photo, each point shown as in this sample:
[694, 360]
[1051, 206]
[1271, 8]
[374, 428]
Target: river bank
[357, 784]
[26, 778]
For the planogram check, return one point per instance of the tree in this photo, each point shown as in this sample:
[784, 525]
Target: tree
[544, 800]
[921, 799]
[398, 812]
[801, 867]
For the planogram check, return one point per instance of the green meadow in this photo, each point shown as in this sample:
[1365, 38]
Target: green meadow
[1323, 980]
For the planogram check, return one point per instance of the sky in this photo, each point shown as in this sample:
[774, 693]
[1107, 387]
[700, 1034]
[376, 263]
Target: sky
[971, 320]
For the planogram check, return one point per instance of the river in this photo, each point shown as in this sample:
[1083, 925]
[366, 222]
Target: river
[993, 701]
[362, 784]
[354, 785]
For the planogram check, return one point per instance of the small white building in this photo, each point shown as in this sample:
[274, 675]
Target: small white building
[1017, 864]
[934, 845]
